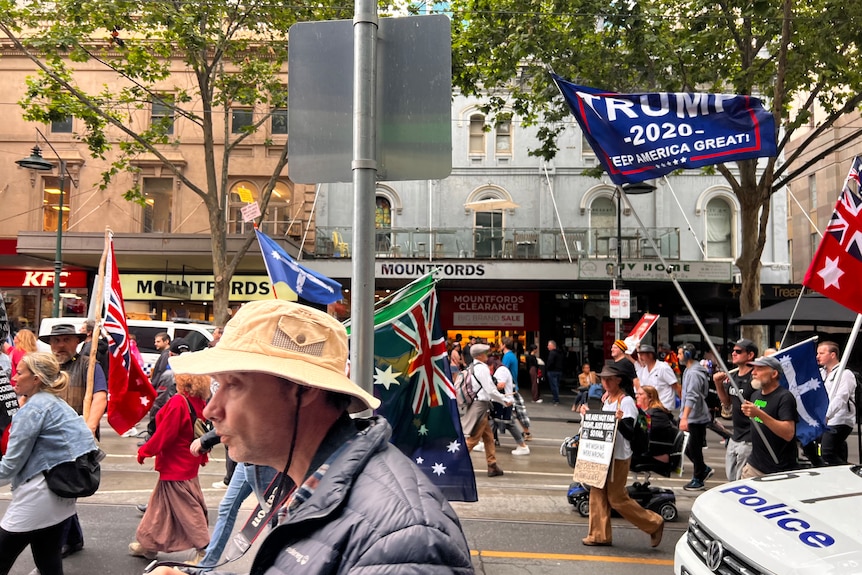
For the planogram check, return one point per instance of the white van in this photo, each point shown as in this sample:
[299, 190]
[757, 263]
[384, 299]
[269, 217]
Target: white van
[197, 334]
[787, 523]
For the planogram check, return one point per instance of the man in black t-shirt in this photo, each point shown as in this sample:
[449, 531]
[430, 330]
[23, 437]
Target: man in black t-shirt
[739, 445]
[773, 409]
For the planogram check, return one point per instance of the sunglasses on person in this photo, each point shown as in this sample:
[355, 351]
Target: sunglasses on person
[738, 351]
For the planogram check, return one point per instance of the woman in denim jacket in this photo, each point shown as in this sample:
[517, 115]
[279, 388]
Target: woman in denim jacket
[45, 433]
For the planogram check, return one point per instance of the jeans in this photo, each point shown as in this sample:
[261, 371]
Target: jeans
[554, 378]
[73, 535]
[246, 479]
[735, 457]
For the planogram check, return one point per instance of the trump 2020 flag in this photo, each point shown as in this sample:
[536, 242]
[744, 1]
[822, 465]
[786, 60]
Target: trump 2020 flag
[836, 268]
[642, 136]
[417, 399]
[130, 394]
[802, 377]
[308, 284]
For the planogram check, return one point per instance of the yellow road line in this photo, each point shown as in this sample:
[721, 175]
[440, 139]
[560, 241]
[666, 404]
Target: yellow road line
[570, 557]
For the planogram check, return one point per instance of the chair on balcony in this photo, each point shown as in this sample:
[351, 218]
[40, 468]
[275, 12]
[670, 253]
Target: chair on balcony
[526, 243]
[508, 250]
[340, 246]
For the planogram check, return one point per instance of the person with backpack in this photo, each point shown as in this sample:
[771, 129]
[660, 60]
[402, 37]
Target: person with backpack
[841, 413]
[694, 414]
[475, 422]
[618, 398]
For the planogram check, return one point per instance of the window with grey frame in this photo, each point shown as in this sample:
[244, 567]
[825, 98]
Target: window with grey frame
[162, 115]
[158, 204]
[241, 120]
[278, 118]
[62, 126]
[719, 229]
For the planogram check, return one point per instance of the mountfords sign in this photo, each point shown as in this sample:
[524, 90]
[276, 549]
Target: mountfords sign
[692, 271]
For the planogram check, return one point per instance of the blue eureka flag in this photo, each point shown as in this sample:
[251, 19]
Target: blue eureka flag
[308, 284]
[802, 377]
[418, 400]
[643, 136]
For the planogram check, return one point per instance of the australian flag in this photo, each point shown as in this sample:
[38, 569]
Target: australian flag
[418, 400]
[802, 377]
[282, 268]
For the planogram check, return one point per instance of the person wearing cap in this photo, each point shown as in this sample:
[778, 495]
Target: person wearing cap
[619, 399]
[64, 341]
[733, 389]
[659, 375]
[284, 401]
[618, 350]
[475, 422]
[773, 409]
[694, 415]
[46, 432]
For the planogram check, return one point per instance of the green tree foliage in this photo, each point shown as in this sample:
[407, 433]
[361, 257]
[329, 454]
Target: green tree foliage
[236, 53]
[792, 54]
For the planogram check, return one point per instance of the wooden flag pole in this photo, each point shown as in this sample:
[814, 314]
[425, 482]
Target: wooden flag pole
[97, 328]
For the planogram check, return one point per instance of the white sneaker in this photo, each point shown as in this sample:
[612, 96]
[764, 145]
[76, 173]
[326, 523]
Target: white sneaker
[131, 433]
[479, 447]
[538, 401]
[219, 485]
[521, 451]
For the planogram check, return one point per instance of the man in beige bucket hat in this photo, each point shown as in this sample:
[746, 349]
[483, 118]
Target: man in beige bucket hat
[283, 401]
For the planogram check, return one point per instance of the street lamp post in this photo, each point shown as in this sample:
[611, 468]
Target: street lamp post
[629, 189]
[38, 163]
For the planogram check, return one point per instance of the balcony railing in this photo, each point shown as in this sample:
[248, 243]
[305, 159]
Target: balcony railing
[505, 243]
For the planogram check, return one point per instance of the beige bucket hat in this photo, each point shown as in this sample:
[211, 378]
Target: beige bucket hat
[284, 339]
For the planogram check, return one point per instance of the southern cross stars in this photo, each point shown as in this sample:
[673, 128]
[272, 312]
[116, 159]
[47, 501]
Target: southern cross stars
[830, 273]
[387, 377]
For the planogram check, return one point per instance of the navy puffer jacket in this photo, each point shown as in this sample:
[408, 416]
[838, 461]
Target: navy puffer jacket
[374, 512]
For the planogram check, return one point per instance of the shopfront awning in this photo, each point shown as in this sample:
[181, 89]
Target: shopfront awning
[813, 310]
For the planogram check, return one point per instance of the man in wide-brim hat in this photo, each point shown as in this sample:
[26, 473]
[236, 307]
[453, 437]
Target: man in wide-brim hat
[284, 401]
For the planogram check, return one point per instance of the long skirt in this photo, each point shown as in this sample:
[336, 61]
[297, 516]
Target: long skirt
[176, 518]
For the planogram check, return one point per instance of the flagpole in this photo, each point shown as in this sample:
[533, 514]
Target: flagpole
[97, 327]
[556, 211]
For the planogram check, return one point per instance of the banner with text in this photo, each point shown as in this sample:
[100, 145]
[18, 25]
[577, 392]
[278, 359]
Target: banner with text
[596, 448]
[489, 310]
[642, 136]
[146, 287]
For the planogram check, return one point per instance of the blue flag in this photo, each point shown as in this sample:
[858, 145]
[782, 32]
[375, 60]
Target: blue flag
[638, 137]
[308, 284]
[802, 377]
[418, 399]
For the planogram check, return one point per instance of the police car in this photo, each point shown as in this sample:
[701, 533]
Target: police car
[804, 521]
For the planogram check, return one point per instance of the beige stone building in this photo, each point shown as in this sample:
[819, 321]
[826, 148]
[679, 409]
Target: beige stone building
[165, 239]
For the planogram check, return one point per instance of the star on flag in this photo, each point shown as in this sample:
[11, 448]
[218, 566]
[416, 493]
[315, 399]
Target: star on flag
[831, 273]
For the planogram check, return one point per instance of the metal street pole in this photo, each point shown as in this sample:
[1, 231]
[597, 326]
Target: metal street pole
[58, 251]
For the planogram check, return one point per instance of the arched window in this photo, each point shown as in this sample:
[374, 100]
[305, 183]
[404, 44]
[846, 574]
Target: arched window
[383, 225]
[276, 219]
[603, 225]
[477, 134]
[719, 229]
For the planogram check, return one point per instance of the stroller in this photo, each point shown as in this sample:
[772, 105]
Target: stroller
[658, 499]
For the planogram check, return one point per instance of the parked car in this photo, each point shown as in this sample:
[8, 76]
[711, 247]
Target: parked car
[787, 523]
[197, 334]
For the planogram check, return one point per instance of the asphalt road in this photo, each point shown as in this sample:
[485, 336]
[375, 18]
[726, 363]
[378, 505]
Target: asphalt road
[521, 524]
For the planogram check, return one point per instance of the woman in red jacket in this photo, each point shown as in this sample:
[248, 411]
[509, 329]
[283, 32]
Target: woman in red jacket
[176, 516]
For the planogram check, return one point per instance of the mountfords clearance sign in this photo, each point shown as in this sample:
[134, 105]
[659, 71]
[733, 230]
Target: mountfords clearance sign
[693, 271]
[200, 288]
[489, 310]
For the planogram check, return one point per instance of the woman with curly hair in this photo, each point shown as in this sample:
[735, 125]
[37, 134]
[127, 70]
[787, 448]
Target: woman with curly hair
[45, 433]
[176, 516]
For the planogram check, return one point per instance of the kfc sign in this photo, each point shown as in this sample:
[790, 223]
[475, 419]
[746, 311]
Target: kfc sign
[42, 279]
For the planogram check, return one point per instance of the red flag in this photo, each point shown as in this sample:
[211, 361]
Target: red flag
[130, 394]
[836, 270]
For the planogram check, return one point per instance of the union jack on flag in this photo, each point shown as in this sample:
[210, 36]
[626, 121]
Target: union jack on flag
[130, 394]
[837, 264]
[417, 398]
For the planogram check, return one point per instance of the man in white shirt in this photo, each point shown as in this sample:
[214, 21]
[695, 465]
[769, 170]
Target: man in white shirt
[475, 423]
[659, 375]
[841, 413]
[506, 385]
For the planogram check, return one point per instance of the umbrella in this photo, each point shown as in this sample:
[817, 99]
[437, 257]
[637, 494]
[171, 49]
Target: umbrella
[490, 205]
[813, 310]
